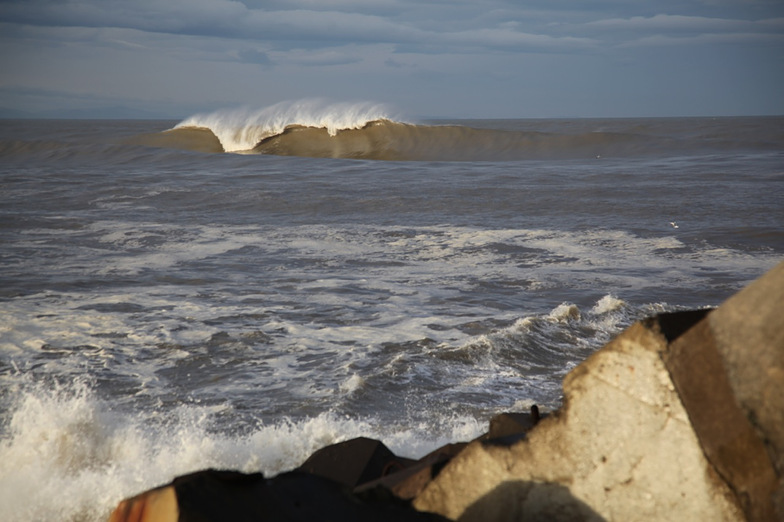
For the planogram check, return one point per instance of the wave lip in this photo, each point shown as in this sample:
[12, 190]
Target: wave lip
[243, 128]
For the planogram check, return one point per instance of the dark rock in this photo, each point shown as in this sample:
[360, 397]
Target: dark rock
[674, 324]
[509, 427]
[354, 462]
[218, 496]
[407, 483]
[210, 495]
[505, 424]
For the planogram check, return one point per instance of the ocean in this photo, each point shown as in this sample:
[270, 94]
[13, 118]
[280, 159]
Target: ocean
[238, 289]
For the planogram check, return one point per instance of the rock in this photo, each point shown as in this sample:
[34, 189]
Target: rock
[729, 372]
[509, 427]
[409, 482]
[728, 438]
[748, 331]
[354, 462]
[218, 496]
[678, 418]
[155, 505]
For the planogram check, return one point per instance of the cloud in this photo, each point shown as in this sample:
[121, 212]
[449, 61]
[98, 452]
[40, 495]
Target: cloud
[389, 62]
[505, 38]
[226, 18]
[285, 28]
[149, 15]
[706, 39]
[323, 57]
[254, 56]
[679, 23]
[325, 27]
[669, 30]
[427, 54]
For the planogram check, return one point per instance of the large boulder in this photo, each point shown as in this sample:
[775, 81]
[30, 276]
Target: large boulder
[353, 462]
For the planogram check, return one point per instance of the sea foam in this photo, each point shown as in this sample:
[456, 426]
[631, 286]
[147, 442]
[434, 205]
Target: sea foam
[68, 454]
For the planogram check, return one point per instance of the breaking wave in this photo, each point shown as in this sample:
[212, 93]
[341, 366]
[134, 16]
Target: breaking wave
[243, 129]
[66, 454]
[314, 128]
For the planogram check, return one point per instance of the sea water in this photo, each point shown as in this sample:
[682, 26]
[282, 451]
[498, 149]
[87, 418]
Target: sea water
[164, 309]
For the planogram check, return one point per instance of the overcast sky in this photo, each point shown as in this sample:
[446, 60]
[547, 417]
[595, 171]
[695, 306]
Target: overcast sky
[425, 58]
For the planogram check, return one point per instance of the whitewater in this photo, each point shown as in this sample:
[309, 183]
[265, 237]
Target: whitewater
[241, 129]
[240, 288]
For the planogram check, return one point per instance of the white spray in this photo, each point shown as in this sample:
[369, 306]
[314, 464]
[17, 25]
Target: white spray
[241, 129]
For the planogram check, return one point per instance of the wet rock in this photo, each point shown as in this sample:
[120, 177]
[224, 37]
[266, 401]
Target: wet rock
[354, 462]
[509, 427]
[219, 496]
[409, 482]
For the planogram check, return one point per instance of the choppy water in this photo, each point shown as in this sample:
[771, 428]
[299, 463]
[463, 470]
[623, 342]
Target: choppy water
[164, 309]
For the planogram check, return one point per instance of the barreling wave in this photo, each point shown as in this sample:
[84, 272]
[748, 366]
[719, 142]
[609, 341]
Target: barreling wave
[314, 128]
[241, 130]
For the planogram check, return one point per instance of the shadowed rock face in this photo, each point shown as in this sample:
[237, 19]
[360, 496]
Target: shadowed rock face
[729, 440]
[353, 462]
[748, 332]
[681, 417]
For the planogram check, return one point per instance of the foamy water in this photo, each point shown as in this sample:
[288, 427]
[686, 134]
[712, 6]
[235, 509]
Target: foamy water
[165, 310]
[69, 455]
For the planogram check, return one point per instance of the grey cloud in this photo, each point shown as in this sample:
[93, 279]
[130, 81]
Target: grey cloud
[326, 26]
[282, 28]
[254, 56]
[226, 18]
[665, 22]
[706, 39]
[502, 38]
[664, 29]
[435, 54]
[416, 27]
[322, 57]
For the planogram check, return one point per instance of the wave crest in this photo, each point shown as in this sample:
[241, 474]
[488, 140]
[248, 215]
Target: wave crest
[241, 129]
[365, 130]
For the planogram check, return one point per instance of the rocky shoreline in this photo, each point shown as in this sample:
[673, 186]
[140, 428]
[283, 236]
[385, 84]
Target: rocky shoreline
[680, 417]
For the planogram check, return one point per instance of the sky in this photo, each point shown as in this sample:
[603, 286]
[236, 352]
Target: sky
[423, 58]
